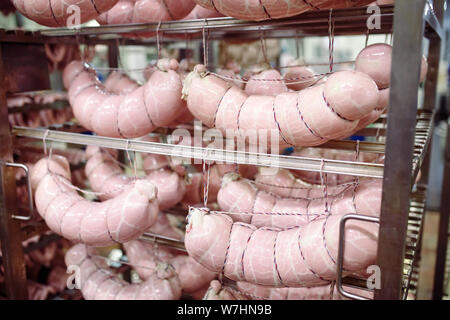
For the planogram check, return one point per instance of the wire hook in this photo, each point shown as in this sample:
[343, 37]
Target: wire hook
[158, 44]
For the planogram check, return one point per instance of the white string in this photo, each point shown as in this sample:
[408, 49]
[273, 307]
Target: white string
[120, 164]
[133, 163]
[367, 37]
[158, 44]
[68, 184]
[324, 183]
[291, 81]
[263, 45]
[206, 178]
[125, 70]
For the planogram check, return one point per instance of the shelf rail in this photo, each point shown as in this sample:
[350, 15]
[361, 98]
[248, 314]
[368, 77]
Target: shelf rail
[360, 169]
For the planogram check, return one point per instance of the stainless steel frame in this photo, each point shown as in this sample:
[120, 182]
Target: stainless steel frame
[407, 134]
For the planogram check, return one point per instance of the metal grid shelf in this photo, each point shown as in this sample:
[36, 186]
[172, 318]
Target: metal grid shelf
[413, 238]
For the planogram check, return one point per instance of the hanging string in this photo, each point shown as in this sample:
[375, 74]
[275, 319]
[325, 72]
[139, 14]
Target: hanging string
[205, 44]
[77, 38]
[44, 140]
[324, 183]
[263, 45]
[206, 178]
[357, 152]
[158, 44]
[120, 164]
[367, 38]
[133, 163]
[64, 181]
[392, 35]
[331, 39]
[297, 46]
[332, 289]
[119, 59]
[188, 46]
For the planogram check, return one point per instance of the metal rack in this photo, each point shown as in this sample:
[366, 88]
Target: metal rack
[407, 133]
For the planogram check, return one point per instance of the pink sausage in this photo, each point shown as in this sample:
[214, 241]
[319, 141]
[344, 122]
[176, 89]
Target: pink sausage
[119, 83]
[298, 78]
[306, 118]
[57, 13]
[192, 275]
[376, 60]
[300, 207]
[105, 176]
[119, 219]
[273, 9]
[200, 12]
[124, 115]
[217, 292]
[260, 83]
[144, 11]
[297, 257]
[97, 283]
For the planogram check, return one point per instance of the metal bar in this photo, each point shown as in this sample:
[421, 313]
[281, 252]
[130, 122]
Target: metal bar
[10, 236]
[361, 169]
[341, 248]
[407, 54]
[316, 17]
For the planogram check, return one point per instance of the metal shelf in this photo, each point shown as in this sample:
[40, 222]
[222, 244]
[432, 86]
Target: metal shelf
[350, 21]
[360, 169]
[288, 162]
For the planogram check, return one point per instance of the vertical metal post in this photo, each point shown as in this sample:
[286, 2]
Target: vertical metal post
[407, 54]
[441, 253]
[10, 235]
[430, 99]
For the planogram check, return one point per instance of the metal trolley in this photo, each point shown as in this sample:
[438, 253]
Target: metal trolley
[406, 130]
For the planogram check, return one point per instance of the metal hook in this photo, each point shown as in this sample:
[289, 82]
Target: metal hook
[331, 39]
[29, 189]
[263, 45]
[205, 43]
[44, 140]
[340, 261]
[158, 44]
